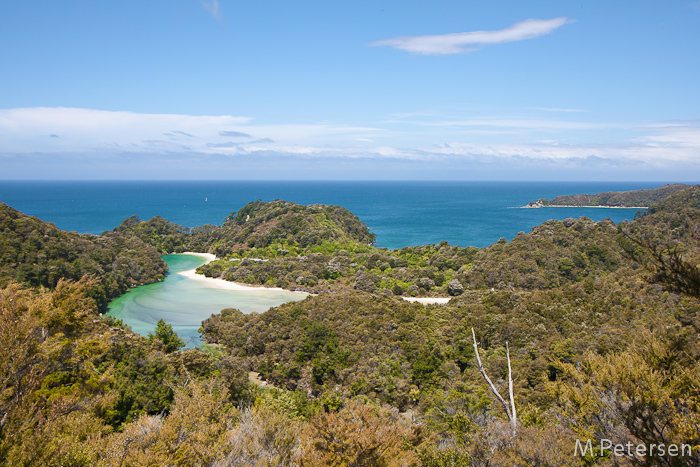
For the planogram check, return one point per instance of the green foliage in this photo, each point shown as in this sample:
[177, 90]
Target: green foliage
[553, 254]
[601, 322]
[343, 267]
[39, 254]
[271, 228]
[139, 382]
[635, 198]
[359, 434]
[643, 395]
[165, 338]
[51, 389]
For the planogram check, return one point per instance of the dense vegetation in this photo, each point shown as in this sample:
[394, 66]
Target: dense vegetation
[634, 198]
[39, 254]
[275, 226]
[314, 248]
[601, 323]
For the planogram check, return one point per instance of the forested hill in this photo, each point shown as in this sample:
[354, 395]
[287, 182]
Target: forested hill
[276, 225]
[38, 253]
[634, 199]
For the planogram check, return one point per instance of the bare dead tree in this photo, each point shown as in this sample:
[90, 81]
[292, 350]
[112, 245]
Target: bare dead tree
[510, 408]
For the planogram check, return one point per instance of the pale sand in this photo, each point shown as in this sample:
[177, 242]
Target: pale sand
[427, 300]
[221, 283]
[208, 256]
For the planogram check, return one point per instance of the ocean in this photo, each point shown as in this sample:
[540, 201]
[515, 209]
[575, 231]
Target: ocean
[402, 213]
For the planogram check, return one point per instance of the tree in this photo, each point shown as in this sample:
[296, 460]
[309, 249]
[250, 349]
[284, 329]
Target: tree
[666, 261]
[49, 382]
[359, 435]
[647, 394]
[165, 335]
[510, 408]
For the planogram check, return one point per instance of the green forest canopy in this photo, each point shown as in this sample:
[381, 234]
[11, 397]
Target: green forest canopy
[601, 322]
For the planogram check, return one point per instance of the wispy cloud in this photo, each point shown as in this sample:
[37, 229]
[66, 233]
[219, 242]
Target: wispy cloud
[177, 134]
[679, 134]
[213, 8]
[110, 137]
[554, 109]
[90, 131]
[530, 124]
[514, 122]
[470, 41]
[229, 144]
[234, 134]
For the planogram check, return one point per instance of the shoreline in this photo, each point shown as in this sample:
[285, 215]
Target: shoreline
[224, 284]
[217, 283]
[604, 207]
[568, 206]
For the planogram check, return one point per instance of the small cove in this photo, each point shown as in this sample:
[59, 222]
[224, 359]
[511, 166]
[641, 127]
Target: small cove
[185, 303]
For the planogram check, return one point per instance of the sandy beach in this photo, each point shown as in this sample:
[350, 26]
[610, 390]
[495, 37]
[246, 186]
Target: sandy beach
[221, 283]
[224, 284]
[427, 300]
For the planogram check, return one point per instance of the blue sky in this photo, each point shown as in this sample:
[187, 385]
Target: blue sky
[383, 89]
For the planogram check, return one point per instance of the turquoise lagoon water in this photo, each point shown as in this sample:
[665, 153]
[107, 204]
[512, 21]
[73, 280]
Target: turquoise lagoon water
[185, 303]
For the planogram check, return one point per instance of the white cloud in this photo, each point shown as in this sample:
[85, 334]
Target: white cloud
[213, 8]
[515, 122]
[21, 130]
[27, 130]
[77, 136]
[679, 134]
[471, 41]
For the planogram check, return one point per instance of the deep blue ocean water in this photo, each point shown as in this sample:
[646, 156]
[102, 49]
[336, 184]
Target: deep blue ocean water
[400, 213]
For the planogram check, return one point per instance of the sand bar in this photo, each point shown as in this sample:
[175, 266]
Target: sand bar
[217, 283]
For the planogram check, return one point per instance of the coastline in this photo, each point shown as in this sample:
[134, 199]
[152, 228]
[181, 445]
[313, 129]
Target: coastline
[604, 207]
[224, 284]
[217, 283]
[568, 206]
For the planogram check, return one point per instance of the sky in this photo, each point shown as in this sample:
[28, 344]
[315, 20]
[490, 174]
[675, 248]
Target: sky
[380, 90]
